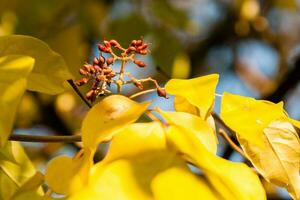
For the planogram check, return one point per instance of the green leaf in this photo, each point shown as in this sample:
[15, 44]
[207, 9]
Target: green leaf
[50, 70]
[279, 160]
[13, 72]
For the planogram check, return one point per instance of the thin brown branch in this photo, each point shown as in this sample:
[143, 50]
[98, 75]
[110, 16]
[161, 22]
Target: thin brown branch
[75, 88]
[43, 138]
[231, 143]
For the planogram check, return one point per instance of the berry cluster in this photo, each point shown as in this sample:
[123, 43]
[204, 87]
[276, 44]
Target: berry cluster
[101, 73]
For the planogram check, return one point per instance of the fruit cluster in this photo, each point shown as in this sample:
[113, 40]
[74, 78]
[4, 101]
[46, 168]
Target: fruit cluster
[101, 73]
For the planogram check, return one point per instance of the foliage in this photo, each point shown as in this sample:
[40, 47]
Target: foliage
[146, 160]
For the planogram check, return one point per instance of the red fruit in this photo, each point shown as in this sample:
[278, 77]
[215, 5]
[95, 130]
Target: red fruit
[139, 63]
[161, 92]
[114, 43]
[83, 72]
[102, 59]
[106, 43]
[138, 84]
[96, 61]
[130, 49]
[142, 47]
[82, 81]
[110, 60]
[143, 52]
[91, 95]
[139, 42]
[133, 43]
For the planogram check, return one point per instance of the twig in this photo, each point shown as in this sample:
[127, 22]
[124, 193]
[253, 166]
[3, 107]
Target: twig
[142, 93]
[75, 88]
[231, 143]
[42, 138]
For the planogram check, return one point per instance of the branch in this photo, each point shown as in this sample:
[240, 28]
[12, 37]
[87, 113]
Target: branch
[75, 88]
[231, 143]
[42, 138]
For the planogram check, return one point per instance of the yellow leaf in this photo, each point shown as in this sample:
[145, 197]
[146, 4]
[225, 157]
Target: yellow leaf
[182, 105]
[279, 161]
[13, 72]
[199, 92]
[248, 117]
[32, 185]
[140, 165]
[109, 116]
[231, 180]
[60, 173]
[50, 70]
[200, 128]
[181, 66]
[15, 170]
[178, 183]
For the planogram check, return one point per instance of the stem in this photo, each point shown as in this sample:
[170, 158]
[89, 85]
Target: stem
[142, 93]
[42, 138]
[231, 143]
[75, 88]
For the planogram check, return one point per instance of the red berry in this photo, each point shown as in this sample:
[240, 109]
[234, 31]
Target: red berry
[110, 60]
[139, 63]
[114, 43]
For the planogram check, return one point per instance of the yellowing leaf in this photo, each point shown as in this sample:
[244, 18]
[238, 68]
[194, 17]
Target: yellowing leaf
[279, 161]
[199, 92]
[15, 170]
[248, 117]
[60, 173]
[32, 186]
[139, 165]
[200, 128]
[233, 181]
[109, 116]
[13, 72]
[50, 70]
[178, 183]
[182, 105]
[181, 66]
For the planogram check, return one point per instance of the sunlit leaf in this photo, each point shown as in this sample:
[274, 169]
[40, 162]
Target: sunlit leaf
[248, 117]
[50, 70]
[13, 72]
[109, 116]
[32, 186]
[145, 169]
[200, 128]
[16, 173]
[279, 161]
[181, 66]
[182, 105]
[231, 180]
[178, 183]
[199, 92]
[60, 173]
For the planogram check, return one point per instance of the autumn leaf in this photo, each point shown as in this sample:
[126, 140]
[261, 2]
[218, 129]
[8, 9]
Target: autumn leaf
[15, 170]
[231, 180]
[199, 92]
[50, 70]
[145, 169]
[248, 117]
[200, 128]
[14, 70]
[279, 161]
[109, 116]
[61, 171]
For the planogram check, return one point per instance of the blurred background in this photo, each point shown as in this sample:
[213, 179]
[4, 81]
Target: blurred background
[253, 45]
